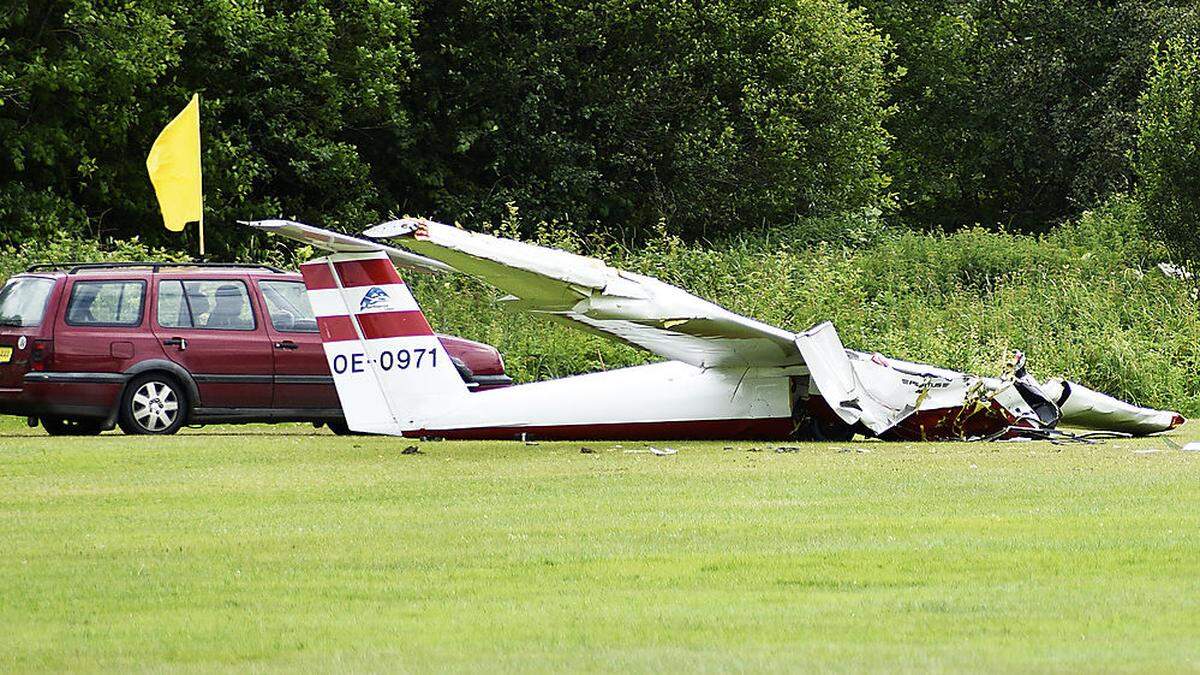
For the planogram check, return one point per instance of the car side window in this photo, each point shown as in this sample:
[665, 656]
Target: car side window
[203, 304]
[106, 303]
[172, 309]
[287, 303]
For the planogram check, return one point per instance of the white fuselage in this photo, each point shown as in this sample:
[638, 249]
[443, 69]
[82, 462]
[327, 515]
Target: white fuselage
[661, 400]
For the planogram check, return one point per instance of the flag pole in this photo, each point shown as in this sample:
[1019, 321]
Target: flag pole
[200, 175]
[201, 226]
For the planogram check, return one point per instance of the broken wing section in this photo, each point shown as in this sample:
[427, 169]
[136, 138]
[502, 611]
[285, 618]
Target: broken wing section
[631, 308]
[898, 400]
[878, 403]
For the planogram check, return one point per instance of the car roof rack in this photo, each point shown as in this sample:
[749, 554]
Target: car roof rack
[73, 267]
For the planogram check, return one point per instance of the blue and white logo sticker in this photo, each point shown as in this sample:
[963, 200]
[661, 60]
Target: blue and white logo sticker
[376, 298]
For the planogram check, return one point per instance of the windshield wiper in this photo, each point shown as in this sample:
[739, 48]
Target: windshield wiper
[9, 321]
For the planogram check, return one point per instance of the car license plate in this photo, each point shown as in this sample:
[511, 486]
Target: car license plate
[5, 354]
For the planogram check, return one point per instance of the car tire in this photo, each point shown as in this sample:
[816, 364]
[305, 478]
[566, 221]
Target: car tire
[340, 428]
[153, 404]
[72, 426]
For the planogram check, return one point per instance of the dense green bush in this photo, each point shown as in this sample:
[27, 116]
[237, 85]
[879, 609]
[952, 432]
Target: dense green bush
[74, 81]
[1083, 301]
[1168, 159]
[298, 101]
[716, 116]
[63, 248]
[1018, 112]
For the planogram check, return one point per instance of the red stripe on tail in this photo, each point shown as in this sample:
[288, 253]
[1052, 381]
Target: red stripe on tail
[336, 328]
[317, 276]
[369, 272]
[393, 324]
[374, 326]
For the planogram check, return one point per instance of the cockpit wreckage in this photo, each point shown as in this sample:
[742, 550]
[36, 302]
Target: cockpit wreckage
[723, 376]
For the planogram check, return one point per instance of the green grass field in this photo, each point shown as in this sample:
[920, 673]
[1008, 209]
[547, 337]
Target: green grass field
[285, 548]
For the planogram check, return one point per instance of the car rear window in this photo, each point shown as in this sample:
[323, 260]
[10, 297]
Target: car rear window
[212, 305]
[106, 303]
[287, 303]
[23, 301]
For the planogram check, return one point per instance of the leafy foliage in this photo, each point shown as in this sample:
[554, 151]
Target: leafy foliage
[713, 116]
[63, 248]
[1019, 112]
[1168, 160]
[74, 86]
[610, 115]
[298, 100]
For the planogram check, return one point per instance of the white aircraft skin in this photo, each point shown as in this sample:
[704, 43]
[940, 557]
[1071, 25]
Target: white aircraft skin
[725, 376]
[427, 396]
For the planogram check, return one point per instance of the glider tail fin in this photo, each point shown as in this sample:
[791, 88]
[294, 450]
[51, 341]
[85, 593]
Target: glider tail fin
[391, 371]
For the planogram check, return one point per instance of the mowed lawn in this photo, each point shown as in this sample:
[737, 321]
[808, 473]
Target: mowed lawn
[285, 548]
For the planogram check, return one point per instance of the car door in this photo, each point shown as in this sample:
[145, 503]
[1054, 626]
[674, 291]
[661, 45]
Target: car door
[210, 327]
[302, 379]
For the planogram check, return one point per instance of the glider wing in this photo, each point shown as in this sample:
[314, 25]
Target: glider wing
[632, 308]
[336, 242]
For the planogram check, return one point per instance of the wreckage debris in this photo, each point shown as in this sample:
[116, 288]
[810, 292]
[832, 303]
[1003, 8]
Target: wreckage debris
[897, 400]
[760, 381]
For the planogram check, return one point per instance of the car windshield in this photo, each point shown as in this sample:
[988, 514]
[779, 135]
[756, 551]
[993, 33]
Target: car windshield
[23, 301]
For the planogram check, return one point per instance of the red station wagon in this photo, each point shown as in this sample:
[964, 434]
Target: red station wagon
[154, 346]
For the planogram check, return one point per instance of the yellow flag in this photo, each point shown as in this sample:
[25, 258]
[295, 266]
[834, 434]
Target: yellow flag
[174, 166]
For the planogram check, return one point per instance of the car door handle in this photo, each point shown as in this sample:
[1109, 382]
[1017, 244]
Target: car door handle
[176, 342]
[286, 344]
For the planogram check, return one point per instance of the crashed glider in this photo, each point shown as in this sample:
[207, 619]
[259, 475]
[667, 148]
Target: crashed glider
[723, 376]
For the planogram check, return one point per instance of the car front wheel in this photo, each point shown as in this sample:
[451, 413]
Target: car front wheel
[152, 404]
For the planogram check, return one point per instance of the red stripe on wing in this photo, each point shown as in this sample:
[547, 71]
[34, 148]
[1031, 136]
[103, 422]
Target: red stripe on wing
[393, 324]
[369, 272]
[317, 276]
[336, 328]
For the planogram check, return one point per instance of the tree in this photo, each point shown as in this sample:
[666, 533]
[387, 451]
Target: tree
[714, 116]
[73, 85]
[1017, 112]
[299, 99]
[1168, 156]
